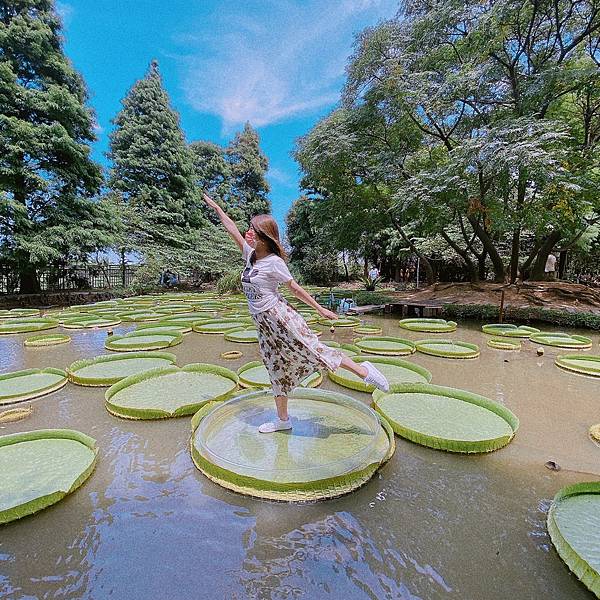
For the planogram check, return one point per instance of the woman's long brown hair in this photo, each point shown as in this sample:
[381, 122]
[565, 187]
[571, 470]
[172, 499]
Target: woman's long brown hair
[266, 229]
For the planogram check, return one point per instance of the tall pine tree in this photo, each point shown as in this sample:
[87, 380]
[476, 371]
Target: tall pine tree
[47, 178]
[248, 167]
[153, 170]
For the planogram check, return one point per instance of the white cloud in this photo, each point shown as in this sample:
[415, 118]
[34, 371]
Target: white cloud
[265, 61]
[65, 12]
[281, 177]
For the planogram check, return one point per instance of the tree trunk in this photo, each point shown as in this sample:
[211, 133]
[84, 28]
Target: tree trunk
[123, 267]
[429, 274]
[345, 265]
[562, 263]
[514, 254]
[28, 281]
[490, 248]
[537, 272]
[481, 258]
[464, 254]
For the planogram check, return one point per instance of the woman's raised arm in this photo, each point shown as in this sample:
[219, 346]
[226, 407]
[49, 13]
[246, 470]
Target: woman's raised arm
[229, 225]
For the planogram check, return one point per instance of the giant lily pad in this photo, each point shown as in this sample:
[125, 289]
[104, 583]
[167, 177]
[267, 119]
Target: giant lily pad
[110, 368]
[395, 370]
[504, 343]
[255, 374]
[562, 340]
[25, 325]
[586, 364]
[19, 313]
[162, 326]
[219, 325]
[509, 330]
[446, 418]
[39, 468]
[448, 348]
[337, 445]
[90, 321]
[574, 527]
[390, 346]
[138, 340]
[341, 322]
[49, 339]
[169, 391]
[243, 335]
[428, 325]
[30, 383]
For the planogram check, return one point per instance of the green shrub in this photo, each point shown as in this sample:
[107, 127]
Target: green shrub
[363, 297]
[230, 282]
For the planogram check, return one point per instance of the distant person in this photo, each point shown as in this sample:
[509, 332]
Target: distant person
[373, 273]
[289, 349]
[550, 268]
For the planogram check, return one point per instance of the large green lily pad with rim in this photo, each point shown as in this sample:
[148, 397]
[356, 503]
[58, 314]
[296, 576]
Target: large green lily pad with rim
[336, 446]
[574, 528]
[585, 364]
[255, 374]
[446, 418]
[341, 322]
[386, 345]
[562, 340]
[30, 383]
[49, 339]
[108, 369]
[138, 340]
[141, 316]
[162, 326]
[428, 325]
[509, 330]
[347, 349]
[395, 370]
[242, 335]
[169, 391]
[219, 326]
[367, 330]
[90, 322]
[19, 313]
[39, 468]
[447, 348]
[504, 343]
[26, 325]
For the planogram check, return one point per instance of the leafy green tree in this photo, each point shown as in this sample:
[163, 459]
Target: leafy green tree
[47, 179]
[152, 168]
[248, 167]
[471, 124]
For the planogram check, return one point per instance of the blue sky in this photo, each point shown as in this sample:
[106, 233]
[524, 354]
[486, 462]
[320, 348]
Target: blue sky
[276, 63]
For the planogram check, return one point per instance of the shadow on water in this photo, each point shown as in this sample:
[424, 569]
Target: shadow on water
[148, 524]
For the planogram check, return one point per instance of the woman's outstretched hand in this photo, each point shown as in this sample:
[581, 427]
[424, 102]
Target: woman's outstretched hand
[327, 314]
[210, 201]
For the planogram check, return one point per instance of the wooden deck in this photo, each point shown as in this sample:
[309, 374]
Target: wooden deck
[415, 309]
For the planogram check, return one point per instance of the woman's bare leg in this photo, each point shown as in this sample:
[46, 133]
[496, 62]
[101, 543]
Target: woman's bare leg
[356, 368]
[281, 402]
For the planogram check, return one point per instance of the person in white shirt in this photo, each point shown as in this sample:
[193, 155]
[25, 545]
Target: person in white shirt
[374, 273]
[289, 349]
[550, 268]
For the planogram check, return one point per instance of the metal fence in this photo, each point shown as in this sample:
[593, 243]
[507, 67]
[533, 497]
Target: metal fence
[56, 279]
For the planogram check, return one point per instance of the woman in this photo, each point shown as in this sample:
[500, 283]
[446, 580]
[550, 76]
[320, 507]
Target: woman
[289, 349]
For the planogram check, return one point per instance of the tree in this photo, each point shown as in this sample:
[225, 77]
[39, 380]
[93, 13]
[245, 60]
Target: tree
[474, 125]
[152, 169]
[248, 167]
[47, 179]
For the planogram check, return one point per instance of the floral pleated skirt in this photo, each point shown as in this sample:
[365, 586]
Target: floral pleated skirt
[289, 349]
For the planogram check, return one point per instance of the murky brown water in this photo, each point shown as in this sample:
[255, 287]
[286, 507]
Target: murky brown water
[430, 525]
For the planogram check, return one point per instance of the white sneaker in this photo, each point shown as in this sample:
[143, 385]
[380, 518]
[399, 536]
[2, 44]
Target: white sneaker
[375, 377]
[277, 425]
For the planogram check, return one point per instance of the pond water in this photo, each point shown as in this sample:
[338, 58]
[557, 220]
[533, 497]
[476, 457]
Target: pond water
[147, 524]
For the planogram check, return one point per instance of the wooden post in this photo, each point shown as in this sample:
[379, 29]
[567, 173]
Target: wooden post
[501, 317]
